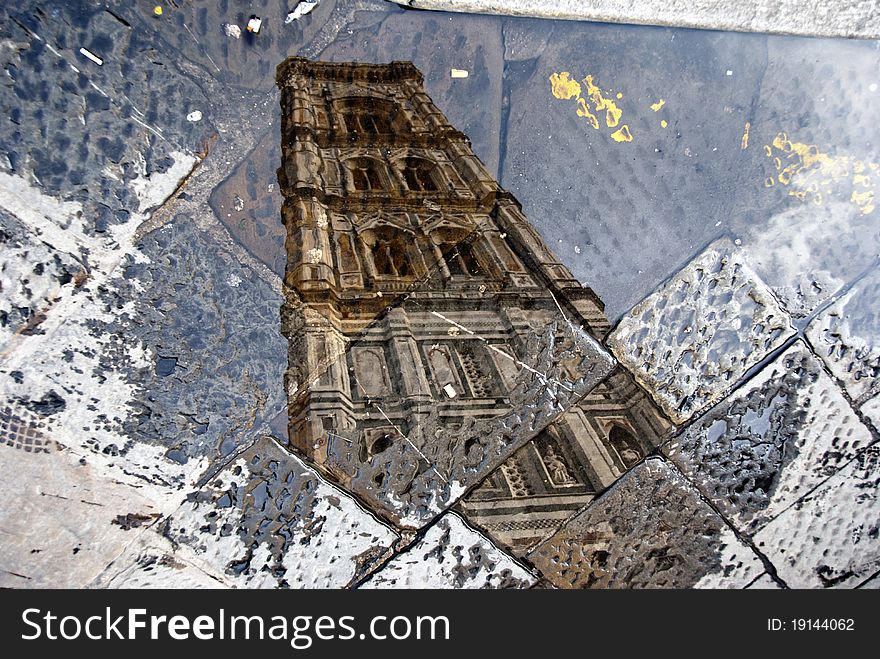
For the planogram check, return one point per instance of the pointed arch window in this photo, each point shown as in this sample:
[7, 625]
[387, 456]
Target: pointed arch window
[365, 116]
[420, 175]
[390, 254]
[366, 174]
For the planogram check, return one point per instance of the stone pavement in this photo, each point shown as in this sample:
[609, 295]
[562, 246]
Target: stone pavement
[143, 414]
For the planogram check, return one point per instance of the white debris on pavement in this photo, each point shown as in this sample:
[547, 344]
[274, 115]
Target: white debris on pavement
[195, 115]
[458, 73]
[232, 30]
[301, 10]
[90, 55]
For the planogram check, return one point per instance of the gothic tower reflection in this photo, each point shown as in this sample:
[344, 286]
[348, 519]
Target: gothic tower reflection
[438, 348]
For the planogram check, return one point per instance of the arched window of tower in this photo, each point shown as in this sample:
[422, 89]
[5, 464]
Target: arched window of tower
[365, 116]
[420, 175]
[366, 174]
[390, 253]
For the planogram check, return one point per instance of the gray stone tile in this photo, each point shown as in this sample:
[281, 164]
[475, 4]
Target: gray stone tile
[624, 216]
[829, 538]
[693, 339]
[770, 442]
[60, 525]
[807, 252]
[31, 278]
[847, 336]
[650, 530]
[267, 520]
[451, 555]
[871, 409]
[151, 561]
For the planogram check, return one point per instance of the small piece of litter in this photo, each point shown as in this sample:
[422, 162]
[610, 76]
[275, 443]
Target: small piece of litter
[254, 24]
[157, 10]
[300, 10]
[450, 390]
[872, 87]
[232, 30]
[195, 115]
[97, 60]
[458, 73]
[729, 72]
[577, 249]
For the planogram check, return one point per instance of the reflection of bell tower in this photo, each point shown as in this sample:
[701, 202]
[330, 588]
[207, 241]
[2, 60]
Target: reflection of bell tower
[396, 236]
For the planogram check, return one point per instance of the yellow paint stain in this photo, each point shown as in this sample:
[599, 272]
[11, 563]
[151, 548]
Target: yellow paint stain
[864, 200]
[584, 111]
[816, 176]
[659, 104]
[563, 86]
[622, 134]
[612, 112]
[591, 103]
[745, 139]
[663, 123]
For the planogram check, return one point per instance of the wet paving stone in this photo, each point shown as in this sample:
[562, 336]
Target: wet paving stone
[772, 441]
[846, 335]
[267, 520]
[85, 132]
[693, 339]
[211, 326]
[451, 555]
[808, 252]
[31, 278]
[650, 530]
[829, 538]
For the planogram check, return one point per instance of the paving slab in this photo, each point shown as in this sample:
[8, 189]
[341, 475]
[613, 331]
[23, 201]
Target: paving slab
[840, 18]
[693, 339]
[151, 561]
[267, 520]
[829, 538]
[650, 530]
[451, 555]
[67, 521]
[846, 335]
[771, 441]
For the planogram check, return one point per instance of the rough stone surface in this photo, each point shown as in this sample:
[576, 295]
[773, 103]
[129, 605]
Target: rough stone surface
[695, 337]
[807, 253]
[451, 555]
[650, 530]
[217, 357]
[829, 538]
[152, 561]
[846, 336]
[267, 520]
[772, 441]
[841, 18]
[764, 582]
[63, 527]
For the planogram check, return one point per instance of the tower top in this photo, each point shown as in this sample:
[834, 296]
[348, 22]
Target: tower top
[346, 71]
